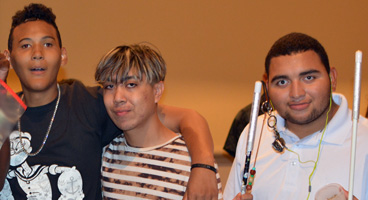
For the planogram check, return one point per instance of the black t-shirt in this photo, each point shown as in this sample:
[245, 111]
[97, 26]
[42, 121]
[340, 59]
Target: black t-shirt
[70, 162]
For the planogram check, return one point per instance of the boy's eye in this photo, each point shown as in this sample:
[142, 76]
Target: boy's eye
[48, 44]
[24, 46]
[131, 85]
[108, 86]
[309, 78]
[281, 82]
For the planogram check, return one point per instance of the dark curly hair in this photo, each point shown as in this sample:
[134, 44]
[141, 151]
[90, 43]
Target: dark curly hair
[33, 12]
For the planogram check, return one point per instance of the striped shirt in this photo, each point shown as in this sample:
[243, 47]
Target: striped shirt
[158, 172]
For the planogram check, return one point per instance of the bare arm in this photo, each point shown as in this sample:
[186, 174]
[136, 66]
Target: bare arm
[4, 162]
[202, 182]
[193, 127]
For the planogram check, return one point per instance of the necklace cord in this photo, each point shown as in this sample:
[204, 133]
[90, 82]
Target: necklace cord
[48, 130]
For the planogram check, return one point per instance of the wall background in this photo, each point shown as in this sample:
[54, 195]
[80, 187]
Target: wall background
[214, 49]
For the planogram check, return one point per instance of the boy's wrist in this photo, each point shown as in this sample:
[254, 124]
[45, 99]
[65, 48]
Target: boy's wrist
[204, 166]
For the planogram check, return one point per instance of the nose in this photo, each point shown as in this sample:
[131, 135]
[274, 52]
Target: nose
[297, 91]
[37, 53]
[119, 95]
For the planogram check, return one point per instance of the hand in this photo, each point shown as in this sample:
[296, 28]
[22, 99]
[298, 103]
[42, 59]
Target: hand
[246, 196]
[4, 67]
[202, 185]
[347, 194]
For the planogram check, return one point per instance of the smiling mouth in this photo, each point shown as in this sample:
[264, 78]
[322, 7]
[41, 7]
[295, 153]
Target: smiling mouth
[37, 69]
[121, 113]
[301, 106]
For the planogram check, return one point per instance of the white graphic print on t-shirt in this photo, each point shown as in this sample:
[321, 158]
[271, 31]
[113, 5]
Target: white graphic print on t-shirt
[34, 180]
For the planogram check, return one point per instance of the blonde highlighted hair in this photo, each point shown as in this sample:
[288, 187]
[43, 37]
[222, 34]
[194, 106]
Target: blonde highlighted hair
[139, 58]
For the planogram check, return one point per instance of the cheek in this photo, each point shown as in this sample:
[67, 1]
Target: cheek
[319, 91]
[139, 103]
[15, 63]
[278, 98]
[56, 61]
[276, 95]
[107, 101]
[146, 98]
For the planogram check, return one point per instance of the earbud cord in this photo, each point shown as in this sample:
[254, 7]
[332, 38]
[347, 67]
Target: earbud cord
[319, 150]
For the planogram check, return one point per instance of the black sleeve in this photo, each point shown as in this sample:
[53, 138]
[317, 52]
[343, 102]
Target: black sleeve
[240, 122]
[88, 104]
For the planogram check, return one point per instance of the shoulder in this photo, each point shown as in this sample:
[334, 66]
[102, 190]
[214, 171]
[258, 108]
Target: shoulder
[175, 145]
[178, 140]
[87, 101]
[76, 86]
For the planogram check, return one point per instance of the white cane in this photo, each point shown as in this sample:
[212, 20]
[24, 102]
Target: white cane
[251, 133]
[356, 111]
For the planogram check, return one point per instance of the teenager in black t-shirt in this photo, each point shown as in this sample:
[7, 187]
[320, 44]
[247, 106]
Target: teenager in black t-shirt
[56, 146]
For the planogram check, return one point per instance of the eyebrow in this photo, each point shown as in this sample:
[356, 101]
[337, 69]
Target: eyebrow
[126, 78]
[312, 71]
[43, 38]
[301, 74]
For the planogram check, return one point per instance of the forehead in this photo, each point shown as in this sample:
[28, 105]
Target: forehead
[295, 64]
[34, 29]
[133, 74]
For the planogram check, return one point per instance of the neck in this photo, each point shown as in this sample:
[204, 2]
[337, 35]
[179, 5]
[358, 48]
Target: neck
[151, 134]
[39, 98]
[304, 130]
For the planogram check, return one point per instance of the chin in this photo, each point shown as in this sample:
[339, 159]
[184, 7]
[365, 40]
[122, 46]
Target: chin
[300, 120]
[38, 86]
[125, 127]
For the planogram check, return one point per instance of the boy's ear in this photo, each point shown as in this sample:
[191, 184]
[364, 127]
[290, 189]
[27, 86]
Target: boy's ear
[7, 56]
[265, 79]
[333, 78]
[64, 56]
[158, 90]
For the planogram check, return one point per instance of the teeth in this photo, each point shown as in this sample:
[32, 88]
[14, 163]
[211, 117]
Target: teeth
[37, 69]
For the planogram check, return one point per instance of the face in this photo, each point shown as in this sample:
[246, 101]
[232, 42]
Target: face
[132, 103]
[299, 87]
[36, 55]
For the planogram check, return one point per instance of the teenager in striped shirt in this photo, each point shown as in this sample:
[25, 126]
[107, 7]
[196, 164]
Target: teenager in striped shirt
[148, 160]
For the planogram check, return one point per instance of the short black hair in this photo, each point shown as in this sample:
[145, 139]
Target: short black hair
[33, 12]
[296, 43]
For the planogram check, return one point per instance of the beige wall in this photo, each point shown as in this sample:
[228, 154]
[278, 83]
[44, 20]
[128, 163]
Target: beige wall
[214, 49]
